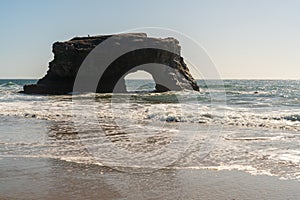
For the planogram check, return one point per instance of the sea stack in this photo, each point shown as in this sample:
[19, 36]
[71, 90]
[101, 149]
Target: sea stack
[69, 56]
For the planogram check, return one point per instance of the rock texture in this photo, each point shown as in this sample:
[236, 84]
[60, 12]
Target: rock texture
[69, 55]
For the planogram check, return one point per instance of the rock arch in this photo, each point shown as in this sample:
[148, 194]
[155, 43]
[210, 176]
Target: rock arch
[167, 69]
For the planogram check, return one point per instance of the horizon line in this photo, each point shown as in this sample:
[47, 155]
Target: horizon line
[27, 78]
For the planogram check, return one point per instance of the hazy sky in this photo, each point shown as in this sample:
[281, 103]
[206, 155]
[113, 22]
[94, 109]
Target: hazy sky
[245, 39]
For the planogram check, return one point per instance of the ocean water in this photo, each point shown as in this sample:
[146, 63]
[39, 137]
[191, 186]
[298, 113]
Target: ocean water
[249, 125]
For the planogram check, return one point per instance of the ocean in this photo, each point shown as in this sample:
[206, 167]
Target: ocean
[247, 125]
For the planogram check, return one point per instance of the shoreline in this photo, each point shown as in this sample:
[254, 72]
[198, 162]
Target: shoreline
[43, 178]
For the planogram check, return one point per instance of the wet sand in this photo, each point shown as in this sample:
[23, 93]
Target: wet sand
[44, 178]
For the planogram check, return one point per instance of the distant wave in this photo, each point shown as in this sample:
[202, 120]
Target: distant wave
[258, 104]
[293, 118]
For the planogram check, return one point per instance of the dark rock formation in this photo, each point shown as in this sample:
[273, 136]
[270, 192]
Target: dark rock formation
[69, 55]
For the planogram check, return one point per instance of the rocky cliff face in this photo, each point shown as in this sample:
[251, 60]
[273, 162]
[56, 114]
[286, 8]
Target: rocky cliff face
[69, 56]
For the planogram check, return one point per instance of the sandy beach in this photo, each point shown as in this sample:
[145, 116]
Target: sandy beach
[38, 178]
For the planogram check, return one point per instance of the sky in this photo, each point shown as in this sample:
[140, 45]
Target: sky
[246, 39]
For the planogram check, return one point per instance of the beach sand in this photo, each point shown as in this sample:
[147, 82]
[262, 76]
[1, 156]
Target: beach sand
[44, 178]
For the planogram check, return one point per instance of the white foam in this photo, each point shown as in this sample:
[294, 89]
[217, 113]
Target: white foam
[292, 156]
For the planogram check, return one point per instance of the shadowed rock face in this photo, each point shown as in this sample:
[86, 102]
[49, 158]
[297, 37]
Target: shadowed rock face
[166, 67]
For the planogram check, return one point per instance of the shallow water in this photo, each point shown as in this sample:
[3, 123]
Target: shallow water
[254, 126]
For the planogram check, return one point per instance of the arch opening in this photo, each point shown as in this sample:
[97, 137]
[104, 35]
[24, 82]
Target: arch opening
[139, 81]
